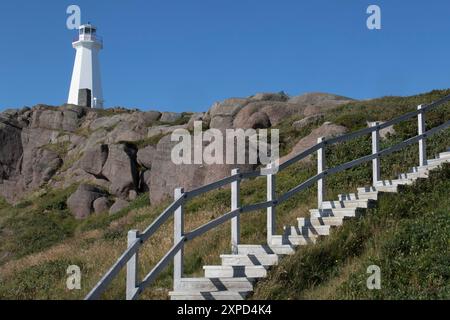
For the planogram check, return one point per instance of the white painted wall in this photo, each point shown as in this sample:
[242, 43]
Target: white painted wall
[86, 71]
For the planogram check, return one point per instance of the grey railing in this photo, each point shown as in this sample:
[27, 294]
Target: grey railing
[135, 287]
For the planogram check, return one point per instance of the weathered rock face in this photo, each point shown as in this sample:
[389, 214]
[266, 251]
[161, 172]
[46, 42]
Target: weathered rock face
[170, 116]
[118, 205]
[281, 97]
[60, 146]
[300, 124]
[326, 130]
[81, 202]
[166, 176]
[222, 114]
[10, 149]
[101, 205]
[94, 159]
[315, 103]
[66, 120]
[120, 170]
[145, 156]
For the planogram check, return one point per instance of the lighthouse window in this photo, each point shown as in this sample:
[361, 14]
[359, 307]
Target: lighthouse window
[81, 31]
[87, 30]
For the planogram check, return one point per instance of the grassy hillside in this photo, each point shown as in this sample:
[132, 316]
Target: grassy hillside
[407, 236]
[39, 239]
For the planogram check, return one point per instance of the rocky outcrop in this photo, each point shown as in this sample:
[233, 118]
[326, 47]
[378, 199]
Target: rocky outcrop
[120, 170]
[314, 119]
[94, 159]
[118, 205]
[316, 102]
[165, 176]
[81, 202]
[101, 205]
[145, 156]
[170, 117]
[118, 150]
[326, 130]
[11, 149]
[222, 114]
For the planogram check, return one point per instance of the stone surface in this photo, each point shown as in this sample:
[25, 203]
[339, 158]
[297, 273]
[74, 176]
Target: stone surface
[316, 102]
[281, 97]
[222, 114]
[166, 176]
[326, 130]
[314, 119]
[120, 170]
[145, 156]
[170, 117]
[101, 205]
[93, 159]
[81, 202]
[118, 205]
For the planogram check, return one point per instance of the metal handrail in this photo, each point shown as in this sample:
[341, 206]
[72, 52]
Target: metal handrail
[134, 246]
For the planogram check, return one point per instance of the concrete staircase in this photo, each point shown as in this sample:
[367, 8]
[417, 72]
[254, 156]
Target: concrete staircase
[235, 277]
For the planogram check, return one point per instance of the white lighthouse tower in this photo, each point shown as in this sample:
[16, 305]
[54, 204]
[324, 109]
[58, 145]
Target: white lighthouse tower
[86, 69]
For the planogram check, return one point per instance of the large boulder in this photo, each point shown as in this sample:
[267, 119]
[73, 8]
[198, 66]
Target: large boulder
[170, 117]
[166, 175]
[120, 169]
[317, 102]
[197, 116]
[281, 97]
[118, 205]
[101, 205]
[315, 119]
[94, 159]
[326, 130]
[145, 156]
[222, 114]
[66, 120]
[81, 202]
[269, 113]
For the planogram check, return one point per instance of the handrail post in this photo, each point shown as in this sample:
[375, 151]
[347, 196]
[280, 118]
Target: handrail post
[132, 267]
[376, 175]
[422, 141]
[178, 231]
[321, 163]
[236, 221]
[271, 195]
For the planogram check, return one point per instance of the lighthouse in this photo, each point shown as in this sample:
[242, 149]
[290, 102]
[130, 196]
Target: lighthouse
[86, 69]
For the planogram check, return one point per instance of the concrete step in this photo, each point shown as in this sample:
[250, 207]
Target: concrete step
[445, 154]
[208, 295]
[393, 188]
[360, 203]
[307, 231]
[358, 196]
[394, 182]
[432, 164]
[215, 284]
[322, 221]
[249, 259]
[293, 240]
[345, 212]
[265, 249]
[414, 175]
[235, 271]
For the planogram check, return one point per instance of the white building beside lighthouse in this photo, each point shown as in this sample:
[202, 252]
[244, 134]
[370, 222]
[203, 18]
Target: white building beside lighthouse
[86, 69]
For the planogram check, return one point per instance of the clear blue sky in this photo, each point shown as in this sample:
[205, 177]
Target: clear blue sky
[184, 55]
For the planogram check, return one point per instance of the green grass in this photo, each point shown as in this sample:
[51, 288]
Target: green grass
[407, 236]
